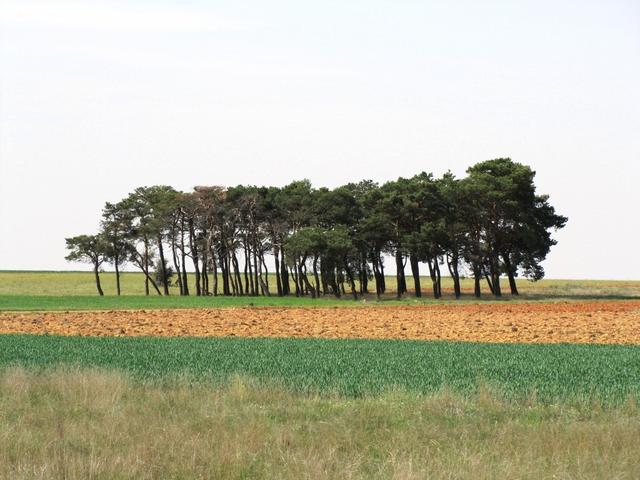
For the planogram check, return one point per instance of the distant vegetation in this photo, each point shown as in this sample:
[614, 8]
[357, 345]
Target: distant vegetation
[490, 223]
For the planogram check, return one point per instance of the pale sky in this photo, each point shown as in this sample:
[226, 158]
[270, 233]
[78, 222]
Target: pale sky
[97, 98]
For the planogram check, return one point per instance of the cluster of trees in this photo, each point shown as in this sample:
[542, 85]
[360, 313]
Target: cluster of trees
[489, 224]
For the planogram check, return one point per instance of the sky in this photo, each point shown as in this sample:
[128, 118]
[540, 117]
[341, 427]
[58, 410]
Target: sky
[97, 98]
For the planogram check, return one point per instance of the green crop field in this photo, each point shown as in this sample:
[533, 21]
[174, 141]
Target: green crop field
[351, 367]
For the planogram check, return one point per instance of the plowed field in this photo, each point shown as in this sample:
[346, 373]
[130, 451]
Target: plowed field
[580, 322]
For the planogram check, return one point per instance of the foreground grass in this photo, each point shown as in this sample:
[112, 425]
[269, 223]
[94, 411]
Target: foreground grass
[84, 423]
[609, 374]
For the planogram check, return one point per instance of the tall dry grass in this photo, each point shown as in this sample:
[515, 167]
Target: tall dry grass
[93, 424]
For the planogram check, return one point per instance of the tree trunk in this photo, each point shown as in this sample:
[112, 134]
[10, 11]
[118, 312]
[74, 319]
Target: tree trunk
[294, 274]
[488, 279]
[140, 262]
[236, 272]
[204, 279]
[204, 255]
[248, 273]
[183, 254]
[255, 270]
[315, 274]
[324, 278]
[214, 263]
[434, 276]
[303, 275]
[452, 264]
[264, 284]
[512, 284]
[205, 274]
[146, 265]
[495, 276]
[152, 281]
[415, 271]
[224, 259]
[235, 288]
[497, 291]
[376, 274]
[286, 287]
[277, 263]
[176, 266]
[511, 272]
[477, 277]
[302, 279]
[97, 275]
[489, 283]
[163, 266]
[194, 256]
[264, 273]
[400, 280]
[351, 280]
[340, 278]
[116, 259]
[331, 278]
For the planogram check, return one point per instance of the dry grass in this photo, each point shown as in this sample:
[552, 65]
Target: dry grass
[96, 424]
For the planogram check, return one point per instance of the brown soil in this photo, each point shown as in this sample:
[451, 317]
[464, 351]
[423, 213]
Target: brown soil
[584, 322]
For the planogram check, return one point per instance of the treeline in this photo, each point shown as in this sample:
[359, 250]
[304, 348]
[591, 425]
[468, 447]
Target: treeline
[488, 224]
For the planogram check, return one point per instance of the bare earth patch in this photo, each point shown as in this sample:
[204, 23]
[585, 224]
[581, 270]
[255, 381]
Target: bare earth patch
[580, 322]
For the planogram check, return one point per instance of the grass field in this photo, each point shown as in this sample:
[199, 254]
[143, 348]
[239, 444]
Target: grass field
[76, 291]
[83, 424]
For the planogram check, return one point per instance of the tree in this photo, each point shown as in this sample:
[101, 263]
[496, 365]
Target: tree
[516, 220]
[392, 203]
[307, 243]
[149, 212]
[425, 235]
[88, 249]
[453, 226]
[114, 227]
[374, 231]
[160, 201]
[340, 255]
[294, 203]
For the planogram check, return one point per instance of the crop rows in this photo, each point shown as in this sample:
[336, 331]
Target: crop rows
[608, 373]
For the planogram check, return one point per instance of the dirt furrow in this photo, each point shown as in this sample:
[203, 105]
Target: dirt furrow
[583, 322]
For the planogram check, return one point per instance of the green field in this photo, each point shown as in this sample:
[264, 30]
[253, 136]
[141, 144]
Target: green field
[351, 368]
[76, 291]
